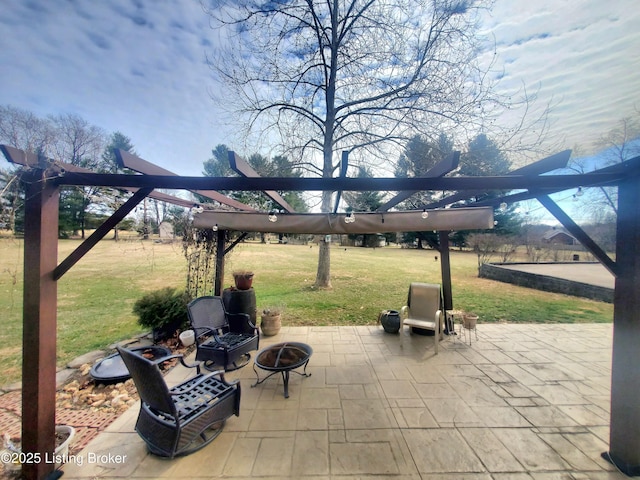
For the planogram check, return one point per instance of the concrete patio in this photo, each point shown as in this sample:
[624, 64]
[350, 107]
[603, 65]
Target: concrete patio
[523, 402]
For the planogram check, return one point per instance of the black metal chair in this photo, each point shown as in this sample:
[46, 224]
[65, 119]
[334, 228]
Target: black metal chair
[223, 340]
[182, 419]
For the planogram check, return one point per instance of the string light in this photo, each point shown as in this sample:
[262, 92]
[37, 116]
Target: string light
[350, 218]
[215, 228]
[273, 218]
[424, 214]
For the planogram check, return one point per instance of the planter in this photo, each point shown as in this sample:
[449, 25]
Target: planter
[270, 324]
[241, 301]
[390, 320]
[187, 338]
[469, 321]
[64, 436]
[243, 280]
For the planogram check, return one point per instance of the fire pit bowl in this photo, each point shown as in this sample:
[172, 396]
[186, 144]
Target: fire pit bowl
[112, 369]
[283, 358]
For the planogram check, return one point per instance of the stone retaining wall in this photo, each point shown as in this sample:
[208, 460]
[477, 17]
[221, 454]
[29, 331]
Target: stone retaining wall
[545, 282]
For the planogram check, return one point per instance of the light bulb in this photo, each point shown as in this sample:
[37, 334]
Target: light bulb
[273, 218]
[350, 218]
[215, 228]
[424, 214]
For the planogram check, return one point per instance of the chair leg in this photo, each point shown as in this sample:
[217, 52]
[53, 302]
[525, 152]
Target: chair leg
[246, 358]
[211, 366]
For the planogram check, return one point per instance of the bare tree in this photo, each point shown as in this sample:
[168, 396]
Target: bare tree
[324, 76]
[24, 130]
[484, 245]
[619, 144]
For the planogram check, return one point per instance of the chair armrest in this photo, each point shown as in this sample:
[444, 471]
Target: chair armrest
[211, 332]
[180, 357]
[438, 320]
[199, 331]
[404, 312]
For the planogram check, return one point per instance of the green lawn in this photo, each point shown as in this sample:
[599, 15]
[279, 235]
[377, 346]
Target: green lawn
[95, 298]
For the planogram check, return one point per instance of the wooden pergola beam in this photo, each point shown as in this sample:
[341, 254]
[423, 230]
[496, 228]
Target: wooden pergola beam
[100, 232]
[579, 234]
[135, 163]
[439, 170]
[548, 164]
[239, 165]
[514, 182]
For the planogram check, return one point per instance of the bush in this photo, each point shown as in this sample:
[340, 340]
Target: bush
[163, 308]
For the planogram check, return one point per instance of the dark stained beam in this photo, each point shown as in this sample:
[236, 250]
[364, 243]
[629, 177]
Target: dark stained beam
[100, 232]
[514, 182]
[624, 433]
[25, 159]
[239, 165]
[132, 162]
[218, 285]
[445, 269]
[20, 157]
[580, 234]
[39, 323]
[439, 170]
[548, 164]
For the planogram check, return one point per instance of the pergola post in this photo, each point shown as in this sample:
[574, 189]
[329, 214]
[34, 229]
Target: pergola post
[445, 269]
[624, 440]
[39, 323]
[218, 286]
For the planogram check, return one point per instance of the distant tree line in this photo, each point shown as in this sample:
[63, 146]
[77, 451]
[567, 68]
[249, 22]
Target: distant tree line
[71, 139]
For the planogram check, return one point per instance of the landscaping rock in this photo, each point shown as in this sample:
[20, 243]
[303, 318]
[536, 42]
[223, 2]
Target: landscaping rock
[89, 357]
[63, 375]
[12, 387]
[141, 341]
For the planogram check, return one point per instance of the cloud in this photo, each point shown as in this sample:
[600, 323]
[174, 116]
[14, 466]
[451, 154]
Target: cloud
[140, 67]
[579, 55]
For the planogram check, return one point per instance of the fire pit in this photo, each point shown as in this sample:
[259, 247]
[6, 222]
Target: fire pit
[283, 358]
[112, 369]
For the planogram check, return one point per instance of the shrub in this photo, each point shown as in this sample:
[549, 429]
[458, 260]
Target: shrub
[166, 307]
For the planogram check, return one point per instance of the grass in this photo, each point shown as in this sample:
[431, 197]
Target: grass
[95, 298]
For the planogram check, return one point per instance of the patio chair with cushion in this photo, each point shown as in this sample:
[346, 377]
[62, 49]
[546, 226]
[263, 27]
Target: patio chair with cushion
[182, 419]
[424, 309]
[223, 340]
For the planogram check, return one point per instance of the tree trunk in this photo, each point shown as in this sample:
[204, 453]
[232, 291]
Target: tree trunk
[323, 275]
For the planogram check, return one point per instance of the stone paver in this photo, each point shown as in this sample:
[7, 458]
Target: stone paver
[523, 402]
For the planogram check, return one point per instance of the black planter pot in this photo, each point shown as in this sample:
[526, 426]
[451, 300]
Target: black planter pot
[390, 320]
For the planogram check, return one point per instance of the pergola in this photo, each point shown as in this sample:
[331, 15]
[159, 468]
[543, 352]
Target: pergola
[43, 180]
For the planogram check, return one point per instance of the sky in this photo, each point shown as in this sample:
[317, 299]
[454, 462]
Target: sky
[139, 67]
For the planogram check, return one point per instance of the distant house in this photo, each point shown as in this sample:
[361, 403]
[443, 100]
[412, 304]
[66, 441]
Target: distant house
[559, 237]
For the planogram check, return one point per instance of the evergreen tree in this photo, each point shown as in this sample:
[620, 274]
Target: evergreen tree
[114, 198]
[278, 166]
